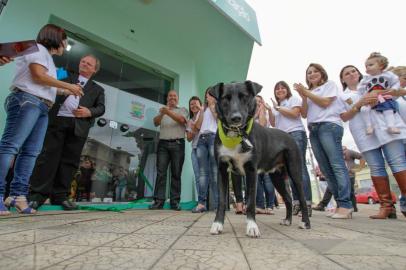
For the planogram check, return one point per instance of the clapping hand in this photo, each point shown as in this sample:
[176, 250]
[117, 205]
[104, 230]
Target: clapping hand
[300, 89]
[164, 110]
[274, 103]
[267, 106]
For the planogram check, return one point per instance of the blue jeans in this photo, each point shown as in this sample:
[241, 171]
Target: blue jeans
[325, 138]
[120, 193]
[195, 165]
[23, 136]
[264, 184]
[301, 141]
[394, 153]
[207, 168]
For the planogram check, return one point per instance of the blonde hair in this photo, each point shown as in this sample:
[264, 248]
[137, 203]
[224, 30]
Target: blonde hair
[399, 71]
[382, 60]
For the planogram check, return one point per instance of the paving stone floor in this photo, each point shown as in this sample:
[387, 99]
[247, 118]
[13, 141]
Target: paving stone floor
[142, 239]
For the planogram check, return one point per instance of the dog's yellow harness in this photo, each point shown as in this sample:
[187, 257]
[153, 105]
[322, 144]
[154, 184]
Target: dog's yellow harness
[231, 142]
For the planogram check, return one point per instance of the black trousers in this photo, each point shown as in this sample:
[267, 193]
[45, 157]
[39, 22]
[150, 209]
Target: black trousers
[57, 163]
[170, 152]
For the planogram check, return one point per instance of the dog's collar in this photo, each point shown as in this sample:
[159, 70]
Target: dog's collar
[231, 142]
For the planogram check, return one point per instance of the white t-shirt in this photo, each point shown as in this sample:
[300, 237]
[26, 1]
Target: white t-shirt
[357, 125]
[209, 124]
[382, 81]
[23, 79]
[285, 123]
[317, 114]
[72, 102]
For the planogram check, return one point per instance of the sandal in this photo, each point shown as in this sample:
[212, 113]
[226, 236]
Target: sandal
[20, 203]
[239, 208]
[261, 211]
[198, 209]
[3, 209]
[269, 211]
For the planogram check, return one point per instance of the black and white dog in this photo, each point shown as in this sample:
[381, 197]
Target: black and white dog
[245, 148]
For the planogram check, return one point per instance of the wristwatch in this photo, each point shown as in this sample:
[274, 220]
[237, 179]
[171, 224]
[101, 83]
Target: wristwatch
[277, 108]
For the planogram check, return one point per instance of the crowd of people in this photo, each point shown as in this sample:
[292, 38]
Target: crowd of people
[48, 121]
[370, 104]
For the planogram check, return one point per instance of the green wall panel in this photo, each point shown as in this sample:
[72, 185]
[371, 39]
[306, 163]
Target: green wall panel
[188, 40]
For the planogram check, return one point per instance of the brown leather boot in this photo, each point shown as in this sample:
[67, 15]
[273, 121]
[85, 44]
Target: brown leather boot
[382, 187]
[401, 179]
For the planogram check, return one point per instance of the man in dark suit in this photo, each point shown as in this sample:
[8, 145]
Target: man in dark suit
[69, 122]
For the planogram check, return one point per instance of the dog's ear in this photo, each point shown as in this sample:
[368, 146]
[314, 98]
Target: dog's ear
[253, 87]
[216, 91]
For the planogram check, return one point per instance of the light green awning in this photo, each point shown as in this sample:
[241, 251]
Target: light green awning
[240, 13]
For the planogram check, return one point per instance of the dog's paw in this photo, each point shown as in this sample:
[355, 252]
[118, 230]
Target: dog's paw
[252, 229]
[304, 225]
[216, 228]
[286, 222]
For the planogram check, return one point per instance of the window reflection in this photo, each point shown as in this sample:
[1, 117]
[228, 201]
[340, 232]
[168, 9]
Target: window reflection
[118, 159]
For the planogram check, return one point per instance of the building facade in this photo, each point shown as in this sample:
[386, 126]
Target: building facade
[146, 47]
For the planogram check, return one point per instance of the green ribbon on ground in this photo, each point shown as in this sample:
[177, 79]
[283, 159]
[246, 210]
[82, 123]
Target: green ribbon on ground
[145, 179]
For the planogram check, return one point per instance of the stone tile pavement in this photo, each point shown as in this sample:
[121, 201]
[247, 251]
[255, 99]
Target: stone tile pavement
[142, 239]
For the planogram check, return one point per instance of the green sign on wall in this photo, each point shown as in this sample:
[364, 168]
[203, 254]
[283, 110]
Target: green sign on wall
[241, 14]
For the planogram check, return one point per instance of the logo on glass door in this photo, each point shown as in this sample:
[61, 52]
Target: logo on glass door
[137, 110]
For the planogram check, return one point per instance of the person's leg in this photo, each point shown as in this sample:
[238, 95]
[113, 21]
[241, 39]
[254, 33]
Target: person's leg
[177, 156]
[365, 112]
[352, 195]
[203, 160]
[195, 165]
[394, 155]
[68, 165]
[162, 164]
[236, 181]
[213, 171]
[260, 203]
[324, 201]
[389, 116]
[123, 190]
[330, 138]
[301, 141]
[22, 116]
[46, 166]
[376, 164]
[31, 120]
[322, 158]
[269, 191]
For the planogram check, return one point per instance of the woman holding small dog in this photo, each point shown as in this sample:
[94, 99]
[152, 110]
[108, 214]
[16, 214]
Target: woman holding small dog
[322, 108]
[207, 124]
[286, 116]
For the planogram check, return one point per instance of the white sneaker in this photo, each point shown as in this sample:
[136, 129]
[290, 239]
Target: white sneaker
[331, 212]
